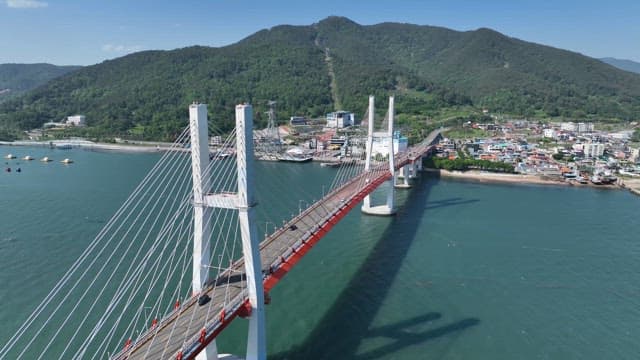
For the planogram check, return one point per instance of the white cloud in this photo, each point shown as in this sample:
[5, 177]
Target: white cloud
[113, 48]
[26, 4]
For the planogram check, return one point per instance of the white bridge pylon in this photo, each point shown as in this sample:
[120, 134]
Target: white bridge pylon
[389, 208]
[244, 202]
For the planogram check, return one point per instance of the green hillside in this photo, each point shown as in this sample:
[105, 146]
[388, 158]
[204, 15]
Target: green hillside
[309, 70]
[15, 79]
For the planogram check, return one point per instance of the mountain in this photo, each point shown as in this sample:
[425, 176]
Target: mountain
[334, 63]
[627, 65]
[15, 79]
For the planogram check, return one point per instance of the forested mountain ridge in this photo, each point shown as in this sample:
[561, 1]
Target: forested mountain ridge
[429, 68]
[15, 79]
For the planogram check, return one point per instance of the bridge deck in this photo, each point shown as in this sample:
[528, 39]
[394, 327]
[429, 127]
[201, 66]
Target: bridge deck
[181, 331]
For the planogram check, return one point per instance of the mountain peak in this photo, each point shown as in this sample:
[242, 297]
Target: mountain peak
[338, 22]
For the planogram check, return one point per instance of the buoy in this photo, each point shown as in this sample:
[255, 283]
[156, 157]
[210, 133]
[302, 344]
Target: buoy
[127, 344]
[179, 356]
[222, 314]
[176, 306]
[154, 323]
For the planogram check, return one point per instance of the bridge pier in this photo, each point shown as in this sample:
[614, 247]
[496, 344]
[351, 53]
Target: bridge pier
[389, 208]
[404, 174]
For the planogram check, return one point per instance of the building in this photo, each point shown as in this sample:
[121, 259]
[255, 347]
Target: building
[550, 133]
[568, 126]
[297, 120]
[76, 120]
[635, 155]
[622, 135]
[340, 119]
[381, 144]
[593, 149]
[584, 127]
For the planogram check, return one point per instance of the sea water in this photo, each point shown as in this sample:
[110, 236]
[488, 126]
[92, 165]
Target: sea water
[463, 271]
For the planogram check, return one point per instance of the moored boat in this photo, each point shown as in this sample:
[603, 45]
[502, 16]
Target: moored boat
[10, 156]
[294, 158]
[45, 159]
[330, 164]
[67, 161]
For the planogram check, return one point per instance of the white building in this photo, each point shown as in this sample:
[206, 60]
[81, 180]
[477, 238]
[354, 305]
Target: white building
[76, 120]
[340, 119]
[593, 149]
[568, 126]
[550, 133]
[381, 144]
[584, 127]
[622, 135]
[635, 155]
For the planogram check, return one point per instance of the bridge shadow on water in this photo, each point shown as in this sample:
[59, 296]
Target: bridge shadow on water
[340, 332]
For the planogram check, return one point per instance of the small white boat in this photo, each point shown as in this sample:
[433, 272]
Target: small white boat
[28, 157]
[45, 159]
[10, 156]
[67, 161]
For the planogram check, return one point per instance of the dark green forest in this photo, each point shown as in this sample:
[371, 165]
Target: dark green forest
[16, 79]
[434, 73]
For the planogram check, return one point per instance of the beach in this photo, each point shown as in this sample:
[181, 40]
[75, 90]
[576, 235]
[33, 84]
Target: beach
[88, 145]
[632, 185]
[490, 177]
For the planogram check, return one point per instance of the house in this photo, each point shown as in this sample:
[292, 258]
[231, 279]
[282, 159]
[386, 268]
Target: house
[76, 120]
[297, 120]
[381, 143]
[340, 119]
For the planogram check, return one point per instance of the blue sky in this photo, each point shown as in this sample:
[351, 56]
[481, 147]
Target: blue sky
[86, 32]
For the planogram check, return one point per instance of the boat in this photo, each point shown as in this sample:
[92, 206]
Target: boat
[597, 180]
[581, 180]
[67, 161]
[45, 159]
[219, 155]
[10, 156]
[28, 157]
[294, 158]
[330, 164]
[63, 146]
[295, 155]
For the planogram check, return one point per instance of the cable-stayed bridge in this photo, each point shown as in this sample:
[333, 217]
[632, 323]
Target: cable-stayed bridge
[180, 260]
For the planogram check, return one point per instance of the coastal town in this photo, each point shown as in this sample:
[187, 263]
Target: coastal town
[519, 150]
[564, 152]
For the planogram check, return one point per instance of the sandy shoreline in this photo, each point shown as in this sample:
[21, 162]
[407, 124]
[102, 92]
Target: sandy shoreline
[489, 177]
[86, 145]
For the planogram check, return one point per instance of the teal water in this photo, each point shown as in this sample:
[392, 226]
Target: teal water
[463, 271]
